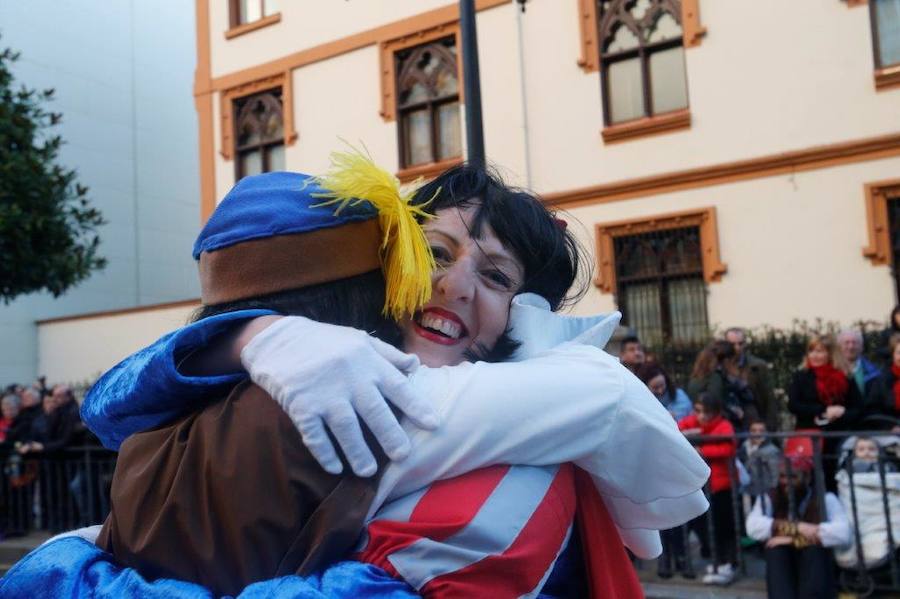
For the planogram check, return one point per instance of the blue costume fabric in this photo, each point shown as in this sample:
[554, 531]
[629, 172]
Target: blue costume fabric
[146, 390]
[73, 567]
[274, 204]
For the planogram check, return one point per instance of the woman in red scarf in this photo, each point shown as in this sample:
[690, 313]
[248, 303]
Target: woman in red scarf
[822, 397]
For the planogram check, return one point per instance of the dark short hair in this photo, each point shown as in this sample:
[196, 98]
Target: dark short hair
[711, 403]
[553, 260]
[354, 302]
[630, 339]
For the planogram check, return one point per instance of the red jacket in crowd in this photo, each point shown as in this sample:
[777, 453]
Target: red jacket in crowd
[718, 454]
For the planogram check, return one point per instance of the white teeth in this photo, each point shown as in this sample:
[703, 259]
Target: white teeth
[445, 326]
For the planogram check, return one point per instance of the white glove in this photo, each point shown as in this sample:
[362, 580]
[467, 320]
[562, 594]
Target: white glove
[327, 374]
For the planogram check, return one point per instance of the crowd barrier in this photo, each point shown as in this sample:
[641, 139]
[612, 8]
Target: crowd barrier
[873, 500]
[56, 491]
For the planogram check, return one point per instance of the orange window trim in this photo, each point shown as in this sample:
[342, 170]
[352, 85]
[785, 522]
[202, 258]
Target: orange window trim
[887, 77]
[589, 61]
[388, 65]
[252, 26]
[876, 196]
[643, 127]
[704, 218]
[427, 171]
[226, 109]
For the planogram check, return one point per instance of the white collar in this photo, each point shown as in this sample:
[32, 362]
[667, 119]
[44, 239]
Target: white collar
[539, 329]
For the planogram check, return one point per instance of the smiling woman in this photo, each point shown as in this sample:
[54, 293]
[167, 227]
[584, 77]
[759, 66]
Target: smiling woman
[483, 240]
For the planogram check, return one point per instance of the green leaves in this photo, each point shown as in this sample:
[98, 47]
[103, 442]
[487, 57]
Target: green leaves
[48, 229]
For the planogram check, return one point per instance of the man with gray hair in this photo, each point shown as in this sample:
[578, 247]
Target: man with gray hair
[859, 369]
[756, 373]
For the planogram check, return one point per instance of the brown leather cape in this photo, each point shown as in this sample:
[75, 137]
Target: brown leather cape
[229, 495]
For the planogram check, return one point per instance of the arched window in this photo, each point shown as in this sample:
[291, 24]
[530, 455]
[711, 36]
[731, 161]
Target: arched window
[259, 133]
[428, 103]
[641, 58]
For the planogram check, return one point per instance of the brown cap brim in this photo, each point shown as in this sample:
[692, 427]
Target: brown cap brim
[263, 266]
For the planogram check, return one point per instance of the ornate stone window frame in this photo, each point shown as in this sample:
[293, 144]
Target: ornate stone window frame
[226, 109]
[388, 77]
[704, 218]
[876, 196]
[589, 61]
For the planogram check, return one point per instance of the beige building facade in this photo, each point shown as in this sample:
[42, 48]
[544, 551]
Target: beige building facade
[724, 162]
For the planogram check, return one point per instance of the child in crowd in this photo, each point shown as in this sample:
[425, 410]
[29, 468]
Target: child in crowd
[708, 420]
[761, 458]
[865, 456]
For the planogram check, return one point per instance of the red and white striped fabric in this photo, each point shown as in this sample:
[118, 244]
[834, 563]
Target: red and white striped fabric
[493, 532]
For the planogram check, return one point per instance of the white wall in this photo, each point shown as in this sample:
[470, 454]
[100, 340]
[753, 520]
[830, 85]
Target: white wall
[792, 244]
[79, 350]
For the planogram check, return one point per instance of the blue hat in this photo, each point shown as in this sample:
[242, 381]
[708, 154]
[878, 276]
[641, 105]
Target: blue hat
[271, 233]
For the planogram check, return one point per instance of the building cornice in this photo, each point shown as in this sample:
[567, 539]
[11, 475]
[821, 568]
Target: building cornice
[858, 150]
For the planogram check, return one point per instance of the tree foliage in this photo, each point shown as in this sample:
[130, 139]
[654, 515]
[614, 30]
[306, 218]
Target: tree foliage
[48, 229]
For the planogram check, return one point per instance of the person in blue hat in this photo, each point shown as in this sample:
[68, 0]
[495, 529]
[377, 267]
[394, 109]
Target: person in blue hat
[518, 382]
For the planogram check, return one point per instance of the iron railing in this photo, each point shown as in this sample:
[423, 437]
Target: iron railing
[55, 491]
[829, 456]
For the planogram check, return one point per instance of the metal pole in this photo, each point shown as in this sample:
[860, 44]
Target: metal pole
[471, 83]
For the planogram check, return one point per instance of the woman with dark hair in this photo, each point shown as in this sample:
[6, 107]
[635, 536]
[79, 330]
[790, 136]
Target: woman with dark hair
[673, 398]
[466, 316]
[798, 532]
[715, 372]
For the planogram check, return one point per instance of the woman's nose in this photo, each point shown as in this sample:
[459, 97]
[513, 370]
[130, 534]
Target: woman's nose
[456, 282]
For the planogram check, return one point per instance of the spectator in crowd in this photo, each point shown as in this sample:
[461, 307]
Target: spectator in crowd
[884, 394]
[822, 397]
[715, 372]
[9, 409]
[631, 352]
[52, 429]
[675, 400]
[797, 532]
[884, 340]
[756, 374]
[859, 370]
[761, 458]
[29, 409]
[708, 420]
[865, 456]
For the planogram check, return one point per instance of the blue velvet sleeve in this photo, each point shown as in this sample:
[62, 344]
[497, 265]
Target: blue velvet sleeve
[146, 390]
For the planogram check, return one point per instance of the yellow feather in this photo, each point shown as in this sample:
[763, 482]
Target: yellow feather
[406, 257]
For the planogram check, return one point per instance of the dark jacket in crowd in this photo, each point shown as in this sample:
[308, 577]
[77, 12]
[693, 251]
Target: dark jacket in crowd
[805, 405]
[756, 373]
[21, 426]
[55, 430]
[734, 394]
[880, 399]
[870, 374]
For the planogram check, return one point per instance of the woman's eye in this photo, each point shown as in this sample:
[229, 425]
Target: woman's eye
[441, 255]
[499, 278]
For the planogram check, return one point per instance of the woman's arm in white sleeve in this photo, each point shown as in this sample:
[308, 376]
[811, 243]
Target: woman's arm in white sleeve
[573, 403]
[835, 531]
[759, 525]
